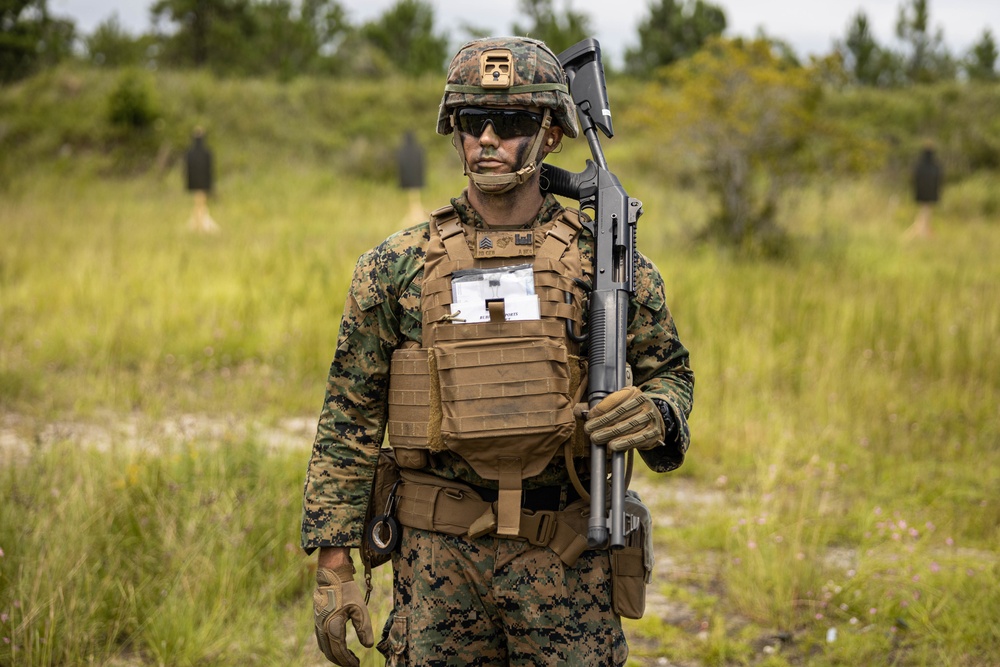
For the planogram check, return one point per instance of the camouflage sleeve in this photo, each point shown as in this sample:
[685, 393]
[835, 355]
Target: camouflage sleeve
[660, 363]
[352, 421]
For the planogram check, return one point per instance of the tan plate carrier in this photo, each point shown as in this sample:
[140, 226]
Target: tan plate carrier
[500, 394]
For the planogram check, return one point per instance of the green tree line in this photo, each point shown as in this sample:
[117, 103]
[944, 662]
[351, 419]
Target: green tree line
[747, 119]
[289, 37]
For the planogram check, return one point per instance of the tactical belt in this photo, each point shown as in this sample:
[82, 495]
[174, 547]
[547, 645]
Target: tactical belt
[546, 498]
[430, 503]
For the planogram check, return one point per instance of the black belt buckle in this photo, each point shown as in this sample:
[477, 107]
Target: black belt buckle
[541, 499]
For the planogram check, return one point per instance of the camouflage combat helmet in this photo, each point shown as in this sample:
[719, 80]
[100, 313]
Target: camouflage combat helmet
[477, 77]
[507, 71]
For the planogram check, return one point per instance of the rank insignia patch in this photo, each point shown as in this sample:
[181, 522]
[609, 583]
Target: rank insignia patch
[494, 243]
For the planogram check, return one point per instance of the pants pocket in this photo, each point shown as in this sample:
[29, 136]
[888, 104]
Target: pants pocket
[619, 650]
[394, 642]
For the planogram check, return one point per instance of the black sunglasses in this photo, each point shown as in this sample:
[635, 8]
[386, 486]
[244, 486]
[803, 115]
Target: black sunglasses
[507, 123]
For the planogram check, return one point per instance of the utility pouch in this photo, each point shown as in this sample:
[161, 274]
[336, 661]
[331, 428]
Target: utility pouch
[628, 582]
[510, 395]
[412, 427]
[632, 565]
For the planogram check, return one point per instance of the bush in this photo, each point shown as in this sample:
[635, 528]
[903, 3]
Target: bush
[131, 105]
[745, 119]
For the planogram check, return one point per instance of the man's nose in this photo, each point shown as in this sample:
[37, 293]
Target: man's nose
[489, 136]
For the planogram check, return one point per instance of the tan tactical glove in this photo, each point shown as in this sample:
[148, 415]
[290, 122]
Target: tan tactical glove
[626, 419]
[337, 598]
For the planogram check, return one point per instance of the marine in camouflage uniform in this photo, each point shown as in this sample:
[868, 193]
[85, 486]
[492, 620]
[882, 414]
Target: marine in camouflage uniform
[459, 600]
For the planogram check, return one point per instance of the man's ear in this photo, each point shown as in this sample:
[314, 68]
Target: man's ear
[552, 138]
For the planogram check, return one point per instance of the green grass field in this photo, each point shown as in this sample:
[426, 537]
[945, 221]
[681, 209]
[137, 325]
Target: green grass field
[839, 504]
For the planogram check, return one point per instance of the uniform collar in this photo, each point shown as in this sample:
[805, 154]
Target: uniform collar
[550, 209]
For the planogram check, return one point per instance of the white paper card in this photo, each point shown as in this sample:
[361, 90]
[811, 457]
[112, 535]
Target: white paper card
[517, 307]
[473, 289]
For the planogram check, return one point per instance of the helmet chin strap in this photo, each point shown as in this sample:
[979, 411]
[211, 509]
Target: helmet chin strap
[488, 183]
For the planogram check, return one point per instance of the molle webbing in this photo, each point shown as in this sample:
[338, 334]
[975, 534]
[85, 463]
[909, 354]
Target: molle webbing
[501, 355]
[426, 502]
[500, 394]
[411, 393]
[414, 387]
[556, 263]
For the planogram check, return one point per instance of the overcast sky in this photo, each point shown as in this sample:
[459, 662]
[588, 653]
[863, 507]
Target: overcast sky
[810, 27]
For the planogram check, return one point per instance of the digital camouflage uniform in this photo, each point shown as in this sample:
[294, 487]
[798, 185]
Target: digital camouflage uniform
[488, 600]
[383, 311]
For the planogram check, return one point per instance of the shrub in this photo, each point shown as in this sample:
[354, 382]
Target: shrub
[131, 105]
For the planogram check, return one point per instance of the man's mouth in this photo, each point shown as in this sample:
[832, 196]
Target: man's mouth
[489, 163]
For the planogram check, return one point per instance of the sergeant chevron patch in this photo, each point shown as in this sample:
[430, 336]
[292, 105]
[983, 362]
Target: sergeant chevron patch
[493, 243]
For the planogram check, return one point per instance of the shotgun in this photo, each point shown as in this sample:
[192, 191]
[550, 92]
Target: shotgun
[613, 226]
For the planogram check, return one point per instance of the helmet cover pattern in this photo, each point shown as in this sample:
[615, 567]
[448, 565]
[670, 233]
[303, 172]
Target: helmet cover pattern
[537, 80]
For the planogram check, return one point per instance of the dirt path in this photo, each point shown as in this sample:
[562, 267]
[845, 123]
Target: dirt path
[20, 433]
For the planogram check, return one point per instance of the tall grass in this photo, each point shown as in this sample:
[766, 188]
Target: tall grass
[847, 409]
[106, 292]
[180, 556]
